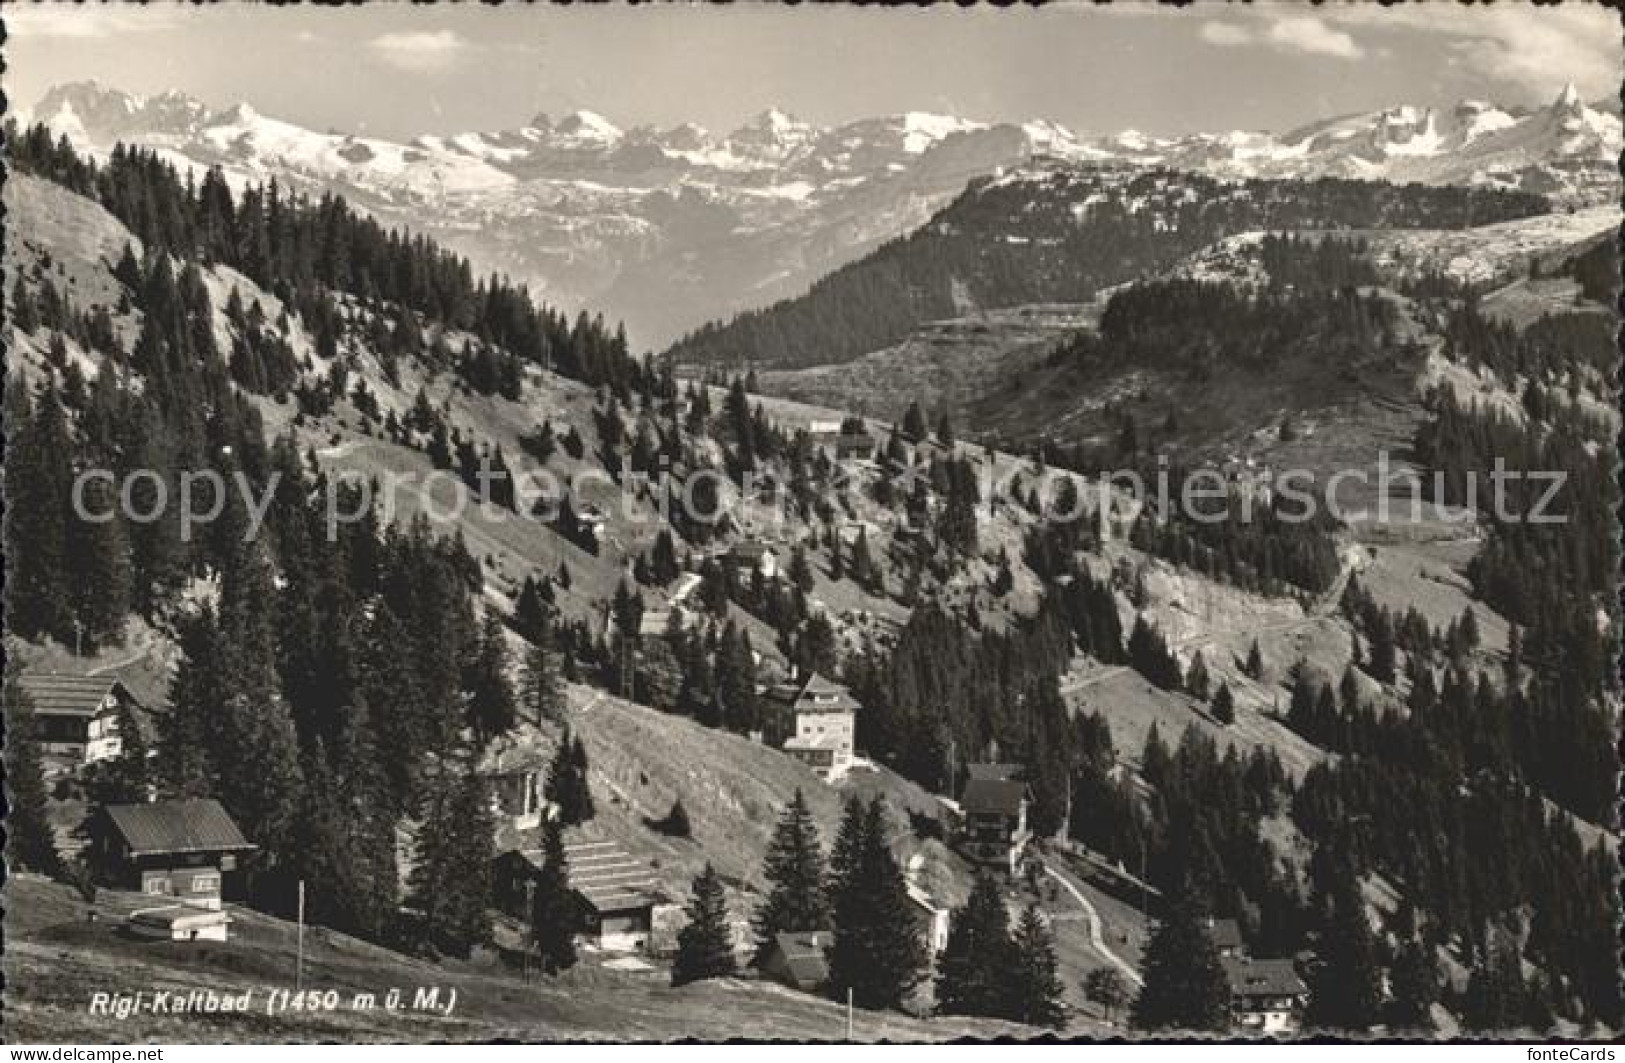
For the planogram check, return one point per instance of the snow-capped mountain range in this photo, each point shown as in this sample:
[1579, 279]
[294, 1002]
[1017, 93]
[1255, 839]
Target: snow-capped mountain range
[669, 228]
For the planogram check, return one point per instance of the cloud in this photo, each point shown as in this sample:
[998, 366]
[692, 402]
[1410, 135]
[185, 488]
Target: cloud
[1226, 34]
[1306, 33]
[1533, 50]
[419, 52]
[85, 22]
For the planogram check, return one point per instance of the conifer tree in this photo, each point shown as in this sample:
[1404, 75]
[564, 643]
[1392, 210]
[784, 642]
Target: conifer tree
[1345, 991]
[567, 785]
[541, 690]
[491, 708]
[38, 481]
[1495, 997]
[555, 916]
[736, 681]
[705, 945]
[794, 869]
[1255, 662]
[250, 732]
[975, 965]
[1035, 985]
[876, 952]
[451, 874]
[1185, 987]
[1415, 980]
[1197, 682]
[1224, 705]
[30, 840]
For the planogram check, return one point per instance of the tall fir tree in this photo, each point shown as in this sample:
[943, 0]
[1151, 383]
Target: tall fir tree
[30, 839]
[450, 882]
[491, 708]
[974, 968]
[38, 481]
[555, 914]
[1345, 990]
[876, 952]
[541, 686]
[1185, 987]
[1415, 981]
[705, 945]
[797, 896]
[1035, 983]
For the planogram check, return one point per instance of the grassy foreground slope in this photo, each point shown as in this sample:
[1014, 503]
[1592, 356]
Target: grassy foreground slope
[56, 959]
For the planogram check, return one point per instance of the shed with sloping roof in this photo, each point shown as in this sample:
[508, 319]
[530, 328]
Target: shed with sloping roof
[618, 894]
[798, 959]
[181, 849]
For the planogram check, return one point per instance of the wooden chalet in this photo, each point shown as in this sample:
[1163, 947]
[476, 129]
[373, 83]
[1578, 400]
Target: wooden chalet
[176, 849]
[1266, 996]
[76, 716]
[618, 895]
[994, 807]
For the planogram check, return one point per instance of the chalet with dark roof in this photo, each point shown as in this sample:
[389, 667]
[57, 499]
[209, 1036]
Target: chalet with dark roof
[1266, 996]
[76, 716]
[994, 807]
[176, 849]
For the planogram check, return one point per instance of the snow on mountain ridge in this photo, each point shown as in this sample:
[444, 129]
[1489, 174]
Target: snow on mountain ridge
[669, 228]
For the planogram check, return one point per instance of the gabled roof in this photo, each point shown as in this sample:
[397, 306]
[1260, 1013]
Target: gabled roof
[70, 695]
[1225, 934]
[1272, 978]
[803, 953]
[814, 694]
[608, 879]
[749, 550]
[195, 825]
[994, 796]
[993, 771]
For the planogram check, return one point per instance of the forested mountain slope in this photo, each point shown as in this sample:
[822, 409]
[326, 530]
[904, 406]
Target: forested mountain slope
[1221, 701]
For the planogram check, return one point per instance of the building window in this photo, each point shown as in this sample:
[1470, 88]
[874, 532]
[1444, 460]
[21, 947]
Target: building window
[157, 887]
[205, 883]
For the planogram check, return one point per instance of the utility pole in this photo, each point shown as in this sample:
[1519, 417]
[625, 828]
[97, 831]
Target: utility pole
[849, 1013]
[78, 631]
[299, 946]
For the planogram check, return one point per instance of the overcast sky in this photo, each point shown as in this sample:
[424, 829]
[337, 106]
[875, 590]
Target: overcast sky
[396, 71]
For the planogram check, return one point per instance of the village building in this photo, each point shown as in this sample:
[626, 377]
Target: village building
[994, 806]
[750, 556]
[819, 719]
[1226, 937]
[931, 919]
[618, 895]
[798, 959]
[622, 907]
[173, 849]
[516, 771]
[1266, 996]
[854, 446]
[76, 716]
